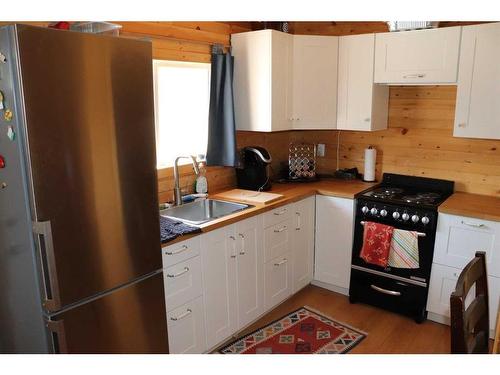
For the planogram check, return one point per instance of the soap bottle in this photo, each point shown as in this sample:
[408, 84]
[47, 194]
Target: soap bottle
[201, 180]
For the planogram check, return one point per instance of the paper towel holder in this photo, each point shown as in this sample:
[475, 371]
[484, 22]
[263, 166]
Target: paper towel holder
[370, 168]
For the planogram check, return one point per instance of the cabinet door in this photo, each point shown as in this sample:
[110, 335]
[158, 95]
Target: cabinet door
[186, 328]
[442, 284]
[333, 245]
[417, 57]
[314, 82]
[252, 80]
[281, 78]
[219, 284]
[361, 105]
[303, 243]
[250, 269]
[458, 238]
[477, 112]
[278, 280]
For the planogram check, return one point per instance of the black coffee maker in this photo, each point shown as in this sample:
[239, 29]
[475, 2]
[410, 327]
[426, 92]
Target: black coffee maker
[253, 172]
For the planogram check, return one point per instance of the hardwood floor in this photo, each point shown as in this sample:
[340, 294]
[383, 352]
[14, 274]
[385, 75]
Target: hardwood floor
[388, 333]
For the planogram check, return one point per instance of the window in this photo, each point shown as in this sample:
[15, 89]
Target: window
[182, 94]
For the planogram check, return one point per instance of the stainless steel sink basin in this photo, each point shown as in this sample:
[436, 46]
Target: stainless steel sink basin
[203, 211]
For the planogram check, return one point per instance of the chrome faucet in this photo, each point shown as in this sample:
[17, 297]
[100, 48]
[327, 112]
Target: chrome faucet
[177, 189]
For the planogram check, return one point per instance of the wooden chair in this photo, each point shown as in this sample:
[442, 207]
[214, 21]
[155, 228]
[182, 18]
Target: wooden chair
[470, 327]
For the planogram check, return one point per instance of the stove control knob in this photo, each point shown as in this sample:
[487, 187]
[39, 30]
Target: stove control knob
[373, 211]
[365, 209]
[415, 218]
[425, 220]
[395, 215]
[405, 217]
[383, 212]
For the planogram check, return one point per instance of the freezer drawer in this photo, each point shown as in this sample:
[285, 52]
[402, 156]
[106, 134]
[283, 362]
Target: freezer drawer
[129, 320]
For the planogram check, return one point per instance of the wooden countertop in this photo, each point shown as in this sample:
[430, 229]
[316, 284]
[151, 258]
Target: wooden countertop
[472, 205]
[292, 192]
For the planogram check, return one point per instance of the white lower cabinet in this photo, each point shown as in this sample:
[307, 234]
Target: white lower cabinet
[333, 243]
[442, 284]
[219, 282]
[457, 240]
[186, 328]
[303, 243]
[232, 263]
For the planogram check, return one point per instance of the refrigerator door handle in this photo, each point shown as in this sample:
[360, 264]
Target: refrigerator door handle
[45, 246]
[56, 329]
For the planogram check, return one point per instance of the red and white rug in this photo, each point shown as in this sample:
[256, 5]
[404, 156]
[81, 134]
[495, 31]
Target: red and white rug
[303, 331]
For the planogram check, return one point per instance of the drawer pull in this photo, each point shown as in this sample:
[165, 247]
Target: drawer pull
[180, 250]
[242, 252]
[474, 225]
[280, 230]
[186, 269]
[280, 212]
[298, 221]
[183, 315]
[385, 291]
[280, 263]
[414, 76]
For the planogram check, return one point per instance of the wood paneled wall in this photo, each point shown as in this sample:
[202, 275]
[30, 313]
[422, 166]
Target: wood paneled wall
[186, 41]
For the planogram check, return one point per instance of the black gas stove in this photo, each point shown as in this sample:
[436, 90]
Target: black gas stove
[408, 203]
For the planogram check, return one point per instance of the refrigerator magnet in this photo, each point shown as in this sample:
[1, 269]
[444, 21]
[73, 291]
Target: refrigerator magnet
[2, 98]
[8, 115]
[3, 59]
[11, 134]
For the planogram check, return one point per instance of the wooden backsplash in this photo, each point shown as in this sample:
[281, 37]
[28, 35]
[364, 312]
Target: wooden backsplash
[419, 141]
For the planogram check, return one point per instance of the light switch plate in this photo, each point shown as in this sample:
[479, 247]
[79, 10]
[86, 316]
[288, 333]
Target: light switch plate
[320, 149]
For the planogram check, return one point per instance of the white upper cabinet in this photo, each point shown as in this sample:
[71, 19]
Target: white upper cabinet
[477, 112]
[314, 82]
[417, 57]
[361, 104]
[262, 80]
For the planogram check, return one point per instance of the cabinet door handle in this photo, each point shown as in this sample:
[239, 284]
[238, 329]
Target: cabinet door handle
[186, 269]
[385, 291]
[280, 263]
[280, 212]
[183, 315]
[420, 75]
[280, 230]
[462, 125]
[474, 225]
[177, 251]
[242, 252]
[233, 255]
[299, 224]
[368, 119]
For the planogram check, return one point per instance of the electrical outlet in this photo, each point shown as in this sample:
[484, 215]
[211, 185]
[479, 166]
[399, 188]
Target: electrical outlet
[320, 149]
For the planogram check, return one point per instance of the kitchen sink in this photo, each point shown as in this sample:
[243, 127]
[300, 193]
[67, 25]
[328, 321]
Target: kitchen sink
[203, 211]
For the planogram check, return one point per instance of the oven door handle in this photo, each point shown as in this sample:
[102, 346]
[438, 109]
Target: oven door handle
[385, 291]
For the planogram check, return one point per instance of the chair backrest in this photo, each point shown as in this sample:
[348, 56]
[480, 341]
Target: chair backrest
[470, 327]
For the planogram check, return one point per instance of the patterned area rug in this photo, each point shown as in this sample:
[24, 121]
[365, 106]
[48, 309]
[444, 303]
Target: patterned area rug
[303, 331]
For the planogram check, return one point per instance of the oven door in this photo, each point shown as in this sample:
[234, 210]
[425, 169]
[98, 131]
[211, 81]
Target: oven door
[425, 243]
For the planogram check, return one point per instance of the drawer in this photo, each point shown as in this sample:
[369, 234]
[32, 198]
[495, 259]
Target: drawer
[278, 280]
[458, 238]
[277, 215]
[442, 284]
[277, 239]
[186, 328]
[182, 282]
[394, 295]
[180, 251]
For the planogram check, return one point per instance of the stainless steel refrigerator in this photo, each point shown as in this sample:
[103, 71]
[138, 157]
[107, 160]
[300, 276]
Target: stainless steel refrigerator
[80, 255]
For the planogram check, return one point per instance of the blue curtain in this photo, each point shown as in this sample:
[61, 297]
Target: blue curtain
[221, 148]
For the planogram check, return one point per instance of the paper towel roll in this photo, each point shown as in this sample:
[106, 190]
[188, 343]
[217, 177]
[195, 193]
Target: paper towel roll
[370, 160]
